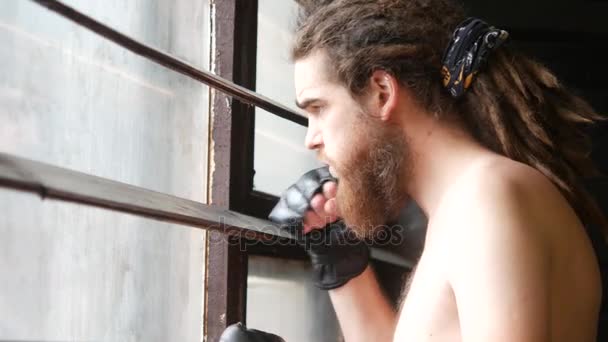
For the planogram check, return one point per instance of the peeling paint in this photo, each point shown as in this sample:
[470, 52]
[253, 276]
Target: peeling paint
[225, 267]
[228, 103]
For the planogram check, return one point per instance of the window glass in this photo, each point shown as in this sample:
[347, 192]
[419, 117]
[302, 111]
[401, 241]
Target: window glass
[280, 156]
[76, 100]
[282, 299]
[72, 99]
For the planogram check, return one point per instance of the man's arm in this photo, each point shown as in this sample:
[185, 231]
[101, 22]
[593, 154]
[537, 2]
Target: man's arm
[363, 311]
[340, 264]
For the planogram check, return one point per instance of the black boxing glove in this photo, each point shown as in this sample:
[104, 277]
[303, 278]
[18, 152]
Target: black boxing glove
[239, 333]
[337, 255]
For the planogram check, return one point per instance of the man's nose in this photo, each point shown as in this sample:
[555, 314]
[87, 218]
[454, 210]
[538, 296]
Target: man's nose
[313, 139]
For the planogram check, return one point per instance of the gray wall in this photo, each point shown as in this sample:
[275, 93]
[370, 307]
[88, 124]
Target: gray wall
[72, 99]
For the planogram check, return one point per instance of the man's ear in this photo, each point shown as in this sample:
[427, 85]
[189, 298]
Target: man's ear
[384, 89]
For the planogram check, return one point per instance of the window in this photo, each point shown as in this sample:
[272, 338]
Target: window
[71, 100]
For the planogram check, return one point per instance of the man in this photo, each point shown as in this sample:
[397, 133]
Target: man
[406, 100]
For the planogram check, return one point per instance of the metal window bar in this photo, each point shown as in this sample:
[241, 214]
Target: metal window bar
[54, 182]
[243, 94]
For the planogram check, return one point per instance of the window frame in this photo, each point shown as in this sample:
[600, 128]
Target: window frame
[227, 263]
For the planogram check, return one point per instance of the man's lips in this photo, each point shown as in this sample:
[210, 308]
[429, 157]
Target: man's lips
[332, 170]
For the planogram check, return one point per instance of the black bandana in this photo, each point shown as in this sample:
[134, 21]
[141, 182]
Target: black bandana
[468, 51]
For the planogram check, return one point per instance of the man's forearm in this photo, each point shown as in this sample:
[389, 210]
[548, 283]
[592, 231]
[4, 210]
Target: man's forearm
[363, 311]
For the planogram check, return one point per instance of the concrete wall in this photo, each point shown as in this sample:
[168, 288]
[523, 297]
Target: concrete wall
[72, 99]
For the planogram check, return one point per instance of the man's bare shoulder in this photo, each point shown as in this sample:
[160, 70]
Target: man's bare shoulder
[500, 200]
[500, 233]
[498, 189]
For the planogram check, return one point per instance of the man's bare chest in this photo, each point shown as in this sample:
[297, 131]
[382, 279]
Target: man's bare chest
[428, 310]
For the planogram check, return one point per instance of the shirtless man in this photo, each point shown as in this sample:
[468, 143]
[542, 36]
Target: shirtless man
[408, 101]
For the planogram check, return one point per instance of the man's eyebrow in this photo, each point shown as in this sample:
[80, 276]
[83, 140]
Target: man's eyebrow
[304, 104]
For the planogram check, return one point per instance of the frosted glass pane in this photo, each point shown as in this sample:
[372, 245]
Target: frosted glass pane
[72, 99]
[281, 299]
[280, 156]
[76, 273]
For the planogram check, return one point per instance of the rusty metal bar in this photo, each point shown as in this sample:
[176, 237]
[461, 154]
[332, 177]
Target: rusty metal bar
[227, 265]
[52, 182]
[173, 63]
[58, 183]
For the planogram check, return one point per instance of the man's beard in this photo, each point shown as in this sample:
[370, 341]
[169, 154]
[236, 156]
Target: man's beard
[372, 177]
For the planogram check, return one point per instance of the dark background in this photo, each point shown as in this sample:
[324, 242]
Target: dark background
[570, 37]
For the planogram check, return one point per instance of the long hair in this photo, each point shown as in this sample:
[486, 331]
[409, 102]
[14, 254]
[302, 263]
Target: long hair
[515, 107]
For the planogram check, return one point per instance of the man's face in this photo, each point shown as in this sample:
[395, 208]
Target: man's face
[369, 156]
